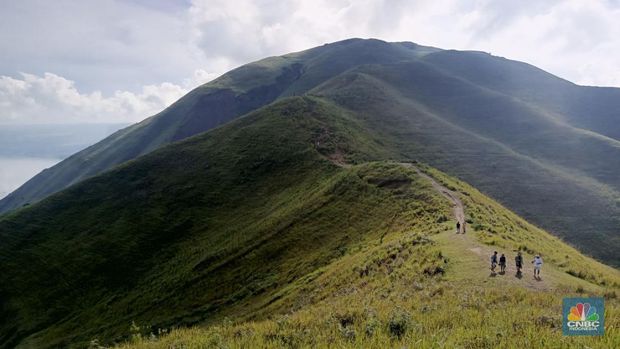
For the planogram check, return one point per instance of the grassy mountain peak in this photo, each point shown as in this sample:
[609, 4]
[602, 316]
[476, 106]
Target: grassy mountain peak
[288, 210]
[309, 200]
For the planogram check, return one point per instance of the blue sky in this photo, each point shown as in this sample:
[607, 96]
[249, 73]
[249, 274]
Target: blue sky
[111, 60]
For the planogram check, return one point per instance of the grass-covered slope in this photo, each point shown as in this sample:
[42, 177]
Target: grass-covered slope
[555, 175]
[544, 147]
[234, 94]
[200, 110]
[418, 284]
[592, 108]
[210, 226]
[284, 211]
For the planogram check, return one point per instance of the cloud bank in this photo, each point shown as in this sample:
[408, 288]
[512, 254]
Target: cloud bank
[71, 61]
[44, 99]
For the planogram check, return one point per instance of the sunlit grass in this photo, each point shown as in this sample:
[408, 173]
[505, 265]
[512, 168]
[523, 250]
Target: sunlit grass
[412, 285]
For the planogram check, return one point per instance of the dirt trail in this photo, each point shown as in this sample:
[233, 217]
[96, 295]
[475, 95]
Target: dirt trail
[458, 209]
[473, 258]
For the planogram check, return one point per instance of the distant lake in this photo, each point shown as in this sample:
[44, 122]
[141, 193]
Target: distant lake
[15, 171]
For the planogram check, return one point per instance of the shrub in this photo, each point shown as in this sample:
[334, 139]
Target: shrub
[345, 320]
[371, 327]
[135, 331]
[577, 274]
[399, 323]
[94, 344]
[348, 333]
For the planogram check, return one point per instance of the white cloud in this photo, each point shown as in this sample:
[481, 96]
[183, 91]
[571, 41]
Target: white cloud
[51, 98]
[576, 39]
[142, 55]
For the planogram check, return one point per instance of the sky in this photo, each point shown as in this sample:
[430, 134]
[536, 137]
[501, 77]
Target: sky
[95, 61]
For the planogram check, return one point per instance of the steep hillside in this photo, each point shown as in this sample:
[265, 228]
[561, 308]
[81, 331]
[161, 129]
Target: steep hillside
[283, 211]
[559, 177]
[231, 95]
[593, 108]
[424, 286]
[542, 146]
[151, 240]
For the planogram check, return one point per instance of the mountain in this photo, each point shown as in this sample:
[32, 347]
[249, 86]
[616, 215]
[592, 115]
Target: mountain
[231, 95]
[289, 226]
[542, 146]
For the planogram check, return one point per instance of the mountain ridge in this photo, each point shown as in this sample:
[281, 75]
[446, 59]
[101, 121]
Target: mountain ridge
[185, 117]
[265, 224]
[524, 110]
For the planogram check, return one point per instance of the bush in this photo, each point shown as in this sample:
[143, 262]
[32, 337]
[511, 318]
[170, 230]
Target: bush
[136, 334]
[371, 327]
[577, 274]
[94, 344]
[399, 323]
[478, 227]
[348, 333]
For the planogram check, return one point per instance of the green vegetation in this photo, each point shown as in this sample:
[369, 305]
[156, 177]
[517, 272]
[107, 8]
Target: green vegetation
[286, 227]
[420, 285]
[544, 147]
[234, 94]
[167, 228]
[305, 223]
[542, 169]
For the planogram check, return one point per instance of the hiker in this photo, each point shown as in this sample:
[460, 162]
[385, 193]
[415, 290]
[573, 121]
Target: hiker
[458, 227]
[537, 265]
[464, 225]
[502, 263]
[493, 261]
[519, 262]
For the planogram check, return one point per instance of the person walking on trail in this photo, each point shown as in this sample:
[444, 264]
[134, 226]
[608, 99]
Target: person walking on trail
[519, 262]
[458, 227]
[464, 226]
[538, 262]
[493, 261]
[502, 263]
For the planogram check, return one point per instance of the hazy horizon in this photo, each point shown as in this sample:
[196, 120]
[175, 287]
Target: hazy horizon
[26, 150]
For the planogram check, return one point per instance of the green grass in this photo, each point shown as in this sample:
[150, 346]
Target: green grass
[540, 168]
[487, 120]
[159, 233]
[385, 292]
[296, 225]
[276, 228]
[230, 96]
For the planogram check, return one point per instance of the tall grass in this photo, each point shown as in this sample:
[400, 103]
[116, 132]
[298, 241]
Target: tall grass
[397, 288]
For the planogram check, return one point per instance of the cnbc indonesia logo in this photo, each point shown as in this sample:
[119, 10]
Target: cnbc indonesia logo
[583, 316]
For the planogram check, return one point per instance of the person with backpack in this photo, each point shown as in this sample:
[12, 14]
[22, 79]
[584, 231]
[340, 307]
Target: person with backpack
[502, 263]
[519, 262]
[493, 261]
[458, 227]
[464, 226]
[538, 262]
